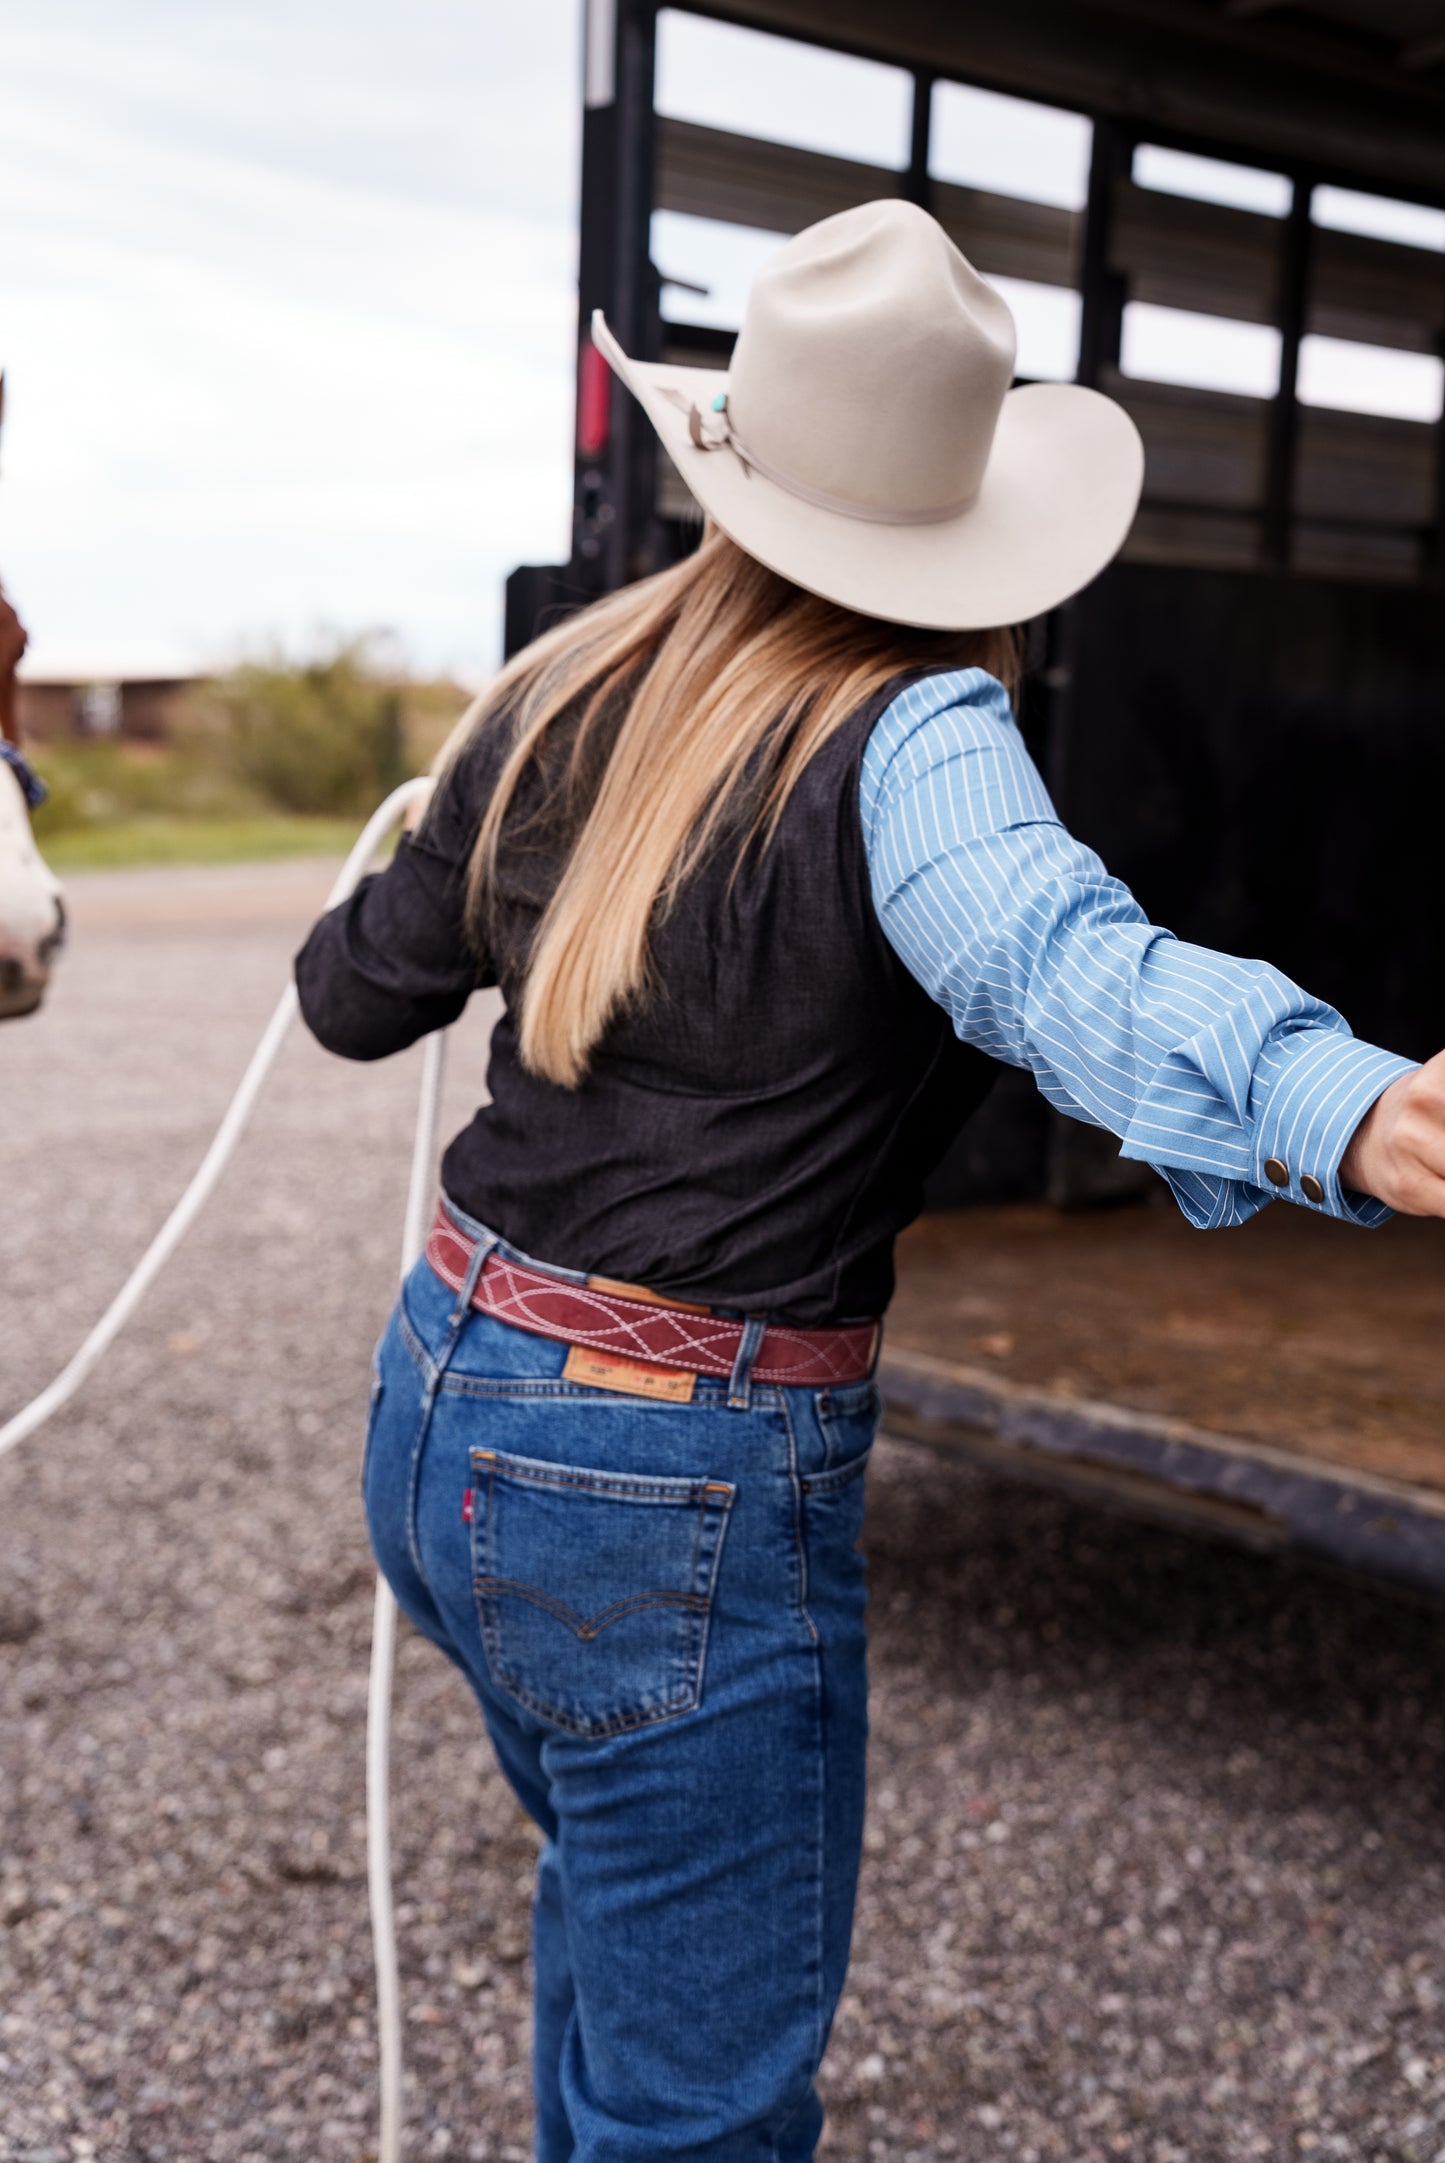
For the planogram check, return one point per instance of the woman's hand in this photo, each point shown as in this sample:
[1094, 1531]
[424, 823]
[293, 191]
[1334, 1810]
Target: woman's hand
[1397, 1152]
[417, 809]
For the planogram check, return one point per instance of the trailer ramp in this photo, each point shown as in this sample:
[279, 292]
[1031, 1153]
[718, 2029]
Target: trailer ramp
[1281, 1384]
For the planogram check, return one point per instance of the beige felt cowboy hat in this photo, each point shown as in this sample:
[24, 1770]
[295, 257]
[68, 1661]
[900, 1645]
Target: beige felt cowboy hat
[865, 442]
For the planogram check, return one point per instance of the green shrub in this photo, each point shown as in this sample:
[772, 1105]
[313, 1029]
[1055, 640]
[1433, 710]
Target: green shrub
[325, 737]
[268, 741]
[93, 784]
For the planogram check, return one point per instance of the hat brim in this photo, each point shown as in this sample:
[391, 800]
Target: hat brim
[1058, 497]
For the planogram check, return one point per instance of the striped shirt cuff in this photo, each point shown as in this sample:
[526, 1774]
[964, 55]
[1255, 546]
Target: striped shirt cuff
[1311, 1091]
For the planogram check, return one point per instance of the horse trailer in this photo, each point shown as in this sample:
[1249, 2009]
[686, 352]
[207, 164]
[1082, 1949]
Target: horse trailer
[1230, 215]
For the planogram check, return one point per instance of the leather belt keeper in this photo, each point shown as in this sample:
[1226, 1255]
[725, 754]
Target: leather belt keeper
[645, 1328]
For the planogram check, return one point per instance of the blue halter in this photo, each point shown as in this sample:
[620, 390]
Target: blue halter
[31, 785]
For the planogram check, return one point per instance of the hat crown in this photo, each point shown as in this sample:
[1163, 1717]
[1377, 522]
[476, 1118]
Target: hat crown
[872, 364]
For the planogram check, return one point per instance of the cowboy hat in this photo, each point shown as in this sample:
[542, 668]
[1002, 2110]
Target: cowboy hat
[865, 443]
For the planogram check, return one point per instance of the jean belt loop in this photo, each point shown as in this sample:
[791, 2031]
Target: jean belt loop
[457, 1320]
[749, 1345]
[468, 1285]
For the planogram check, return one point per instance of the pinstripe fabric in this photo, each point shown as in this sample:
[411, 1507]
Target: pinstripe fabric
[1205, 1066]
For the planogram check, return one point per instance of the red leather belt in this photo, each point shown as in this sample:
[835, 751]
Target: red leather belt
[631, 1323]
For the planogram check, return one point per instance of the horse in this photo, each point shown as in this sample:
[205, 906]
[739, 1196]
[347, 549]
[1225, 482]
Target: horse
[32, 912]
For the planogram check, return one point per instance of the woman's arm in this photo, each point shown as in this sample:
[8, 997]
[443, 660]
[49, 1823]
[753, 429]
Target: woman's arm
[1230, 1080]
[394, 961]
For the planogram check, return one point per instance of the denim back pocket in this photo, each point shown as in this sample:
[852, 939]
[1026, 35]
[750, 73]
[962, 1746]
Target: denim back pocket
[594, 1589]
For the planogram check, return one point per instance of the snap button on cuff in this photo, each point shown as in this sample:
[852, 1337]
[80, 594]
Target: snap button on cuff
[1276, 1171]
[1311, 1189]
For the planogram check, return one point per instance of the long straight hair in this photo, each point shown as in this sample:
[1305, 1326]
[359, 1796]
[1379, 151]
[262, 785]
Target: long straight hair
[732, 679]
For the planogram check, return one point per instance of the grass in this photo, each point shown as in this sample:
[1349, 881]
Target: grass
[263, 837]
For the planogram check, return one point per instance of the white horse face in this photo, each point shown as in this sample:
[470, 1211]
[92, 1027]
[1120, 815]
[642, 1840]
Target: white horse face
[32, 918]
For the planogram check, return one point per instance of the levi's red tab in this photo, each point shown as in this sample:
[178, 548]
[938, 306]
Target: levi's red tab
[467, 1501]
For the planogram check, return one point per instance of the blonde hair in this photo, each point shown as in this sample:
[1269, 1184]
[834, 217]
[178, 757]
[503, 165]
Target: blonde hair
[727, 671]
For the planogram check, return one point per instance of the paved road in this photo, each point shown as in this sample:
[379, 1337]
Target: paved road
[1156, 1866]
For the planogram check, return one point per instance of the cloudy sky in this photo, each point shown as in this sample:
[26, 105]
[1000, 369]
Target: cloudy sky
[287, 301]
[287, 298]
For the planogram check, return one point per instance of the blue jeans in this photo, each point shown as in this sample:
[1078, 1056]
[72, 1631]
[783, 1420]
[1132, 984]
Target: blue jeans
[659, 1607]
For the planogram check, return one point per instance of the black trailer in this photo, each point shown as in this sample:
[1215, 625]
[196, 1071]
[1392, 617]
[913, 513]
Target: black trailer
[1244, 714]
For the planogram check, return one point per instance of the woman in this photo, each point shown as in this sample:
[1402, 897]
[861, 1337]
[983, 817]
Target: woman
[768, 880]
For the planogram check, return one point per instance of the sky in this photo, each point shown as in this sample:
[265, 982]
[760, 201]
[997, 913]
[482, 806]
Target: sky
[288, 302]
[287, 307]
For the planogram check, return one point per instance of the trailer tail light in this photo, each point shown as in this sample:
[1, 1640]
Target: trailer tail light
[594, 402]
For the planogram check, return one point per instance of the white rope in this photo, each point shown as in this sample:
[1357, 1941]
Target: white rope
[419, 1200]
[216, 1158]
[383, 1642]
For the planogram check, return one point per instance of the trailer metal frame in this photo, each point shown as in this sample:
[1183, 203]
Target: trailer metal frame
[1268, 1499]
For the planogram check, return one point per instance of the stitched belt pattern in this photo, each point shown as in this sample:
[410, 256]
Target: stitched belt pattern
[666, 1336]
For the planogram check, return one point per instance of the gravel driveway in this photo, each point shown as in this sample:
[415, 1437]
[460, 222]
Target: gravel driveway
[1156, 1862]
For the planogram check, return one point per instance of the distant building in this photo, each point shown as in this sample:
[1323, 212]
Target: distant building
[137, 709]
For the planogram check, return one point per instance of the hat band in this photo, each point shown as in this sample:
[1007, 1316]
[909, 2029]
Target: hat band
[712, 430]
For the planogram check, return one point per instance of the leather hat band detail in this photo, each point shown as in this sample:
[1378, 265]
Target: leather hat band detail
[711, 430]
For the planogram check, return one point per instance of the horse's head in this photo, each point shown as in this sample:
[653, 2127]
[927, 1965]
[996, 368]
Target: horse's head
[32, 915]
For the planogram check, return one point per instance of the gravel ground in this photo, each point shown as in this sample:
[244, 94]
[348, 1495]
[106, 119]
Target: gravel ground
[1155, 1861]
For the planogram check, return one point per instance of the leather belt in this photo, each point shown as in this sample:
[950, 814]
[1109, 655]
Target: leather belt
[632, 1323]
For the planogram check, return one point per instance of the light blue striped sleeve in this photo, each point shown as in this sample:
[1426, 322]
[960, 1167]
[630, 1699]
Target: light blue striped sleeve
[1205, 1066]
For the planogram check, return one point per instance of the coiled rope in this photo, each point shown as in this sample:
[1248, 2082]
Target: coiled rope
[420, 1197]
